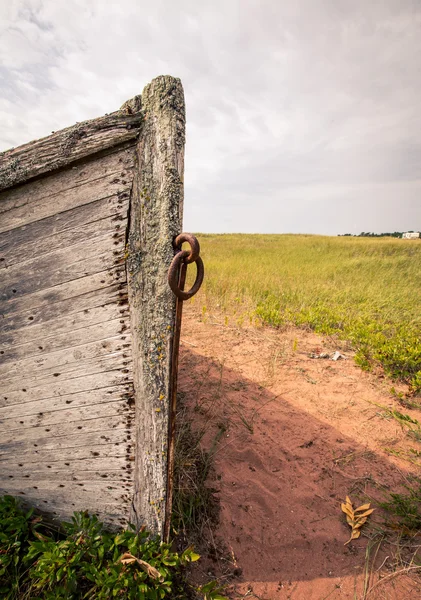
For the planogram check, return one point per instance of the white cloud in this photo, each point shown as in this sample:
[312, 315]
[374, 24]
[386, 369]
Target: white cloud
[313, 97]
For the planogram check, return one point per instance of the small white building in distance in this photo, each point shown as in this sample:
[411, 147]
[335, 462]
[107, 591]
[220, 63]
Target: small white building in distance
[411, 235]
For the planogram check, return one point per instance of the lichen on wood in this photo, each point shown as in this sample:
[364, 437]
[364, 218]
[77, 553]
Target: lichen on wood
[155, 219]
[106, 198]
[64, 147]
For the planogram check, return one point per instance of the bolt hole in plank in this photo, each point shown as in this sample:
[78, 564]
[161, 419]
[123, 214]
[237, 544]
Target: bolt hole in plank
[84, 266]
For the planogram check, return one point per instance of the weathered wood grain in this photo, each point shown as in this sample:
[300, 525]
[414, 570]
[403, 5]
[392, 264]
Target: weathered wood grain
[109, 502]
[48, 457]
[63, 361]
[74, 262]
[67, 496]
[69, 386]
[91, 463]
[67, 146]
[94, 485]
[50, 302]
[85, 348]
[75, 401]
[108, 325]
[53, 197]
[25, 245]
[65, 430]
[156, 209]
[64, 493]
[116, 436]
[68, 474]
[26, 237]
[59, 182]
[68, 372]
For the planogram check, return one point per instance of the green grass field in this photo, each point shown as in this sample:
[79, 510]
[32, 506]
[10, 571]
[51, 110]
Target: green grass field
[367, 291]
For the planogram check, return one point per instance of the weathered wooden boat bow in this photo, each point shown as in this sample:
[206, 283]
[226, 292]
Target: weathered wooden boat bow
[89, 327]
[177, 280]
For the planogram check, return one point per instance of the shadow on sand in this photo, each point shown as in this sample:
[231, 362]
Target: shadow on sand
[281, 475]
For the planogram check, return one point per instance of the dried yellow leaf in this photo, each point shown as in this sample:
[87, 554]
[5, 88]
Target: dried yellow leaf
[366, 513]
[359, 524]
[128, 559]
[347, 510]
[363, 507]
[355, 517]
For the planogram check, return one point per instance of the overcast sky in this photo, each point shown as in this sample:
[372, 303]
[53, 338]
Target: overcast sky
[302, 115]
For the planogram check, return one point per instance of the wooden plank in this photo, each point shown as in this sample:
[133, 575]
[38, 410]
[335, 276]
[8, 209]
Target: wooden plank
[109, 506]
[92, 464]
[95, 497]
[68, 415]
[101, 490]
[55, 268]
[27, 477]
[95, 485]
[116, 436]
[63, 361]
[108, 512]
[65, 430]
[67, 146]
[78, 400]
[23, 244]
[156, 209]
[66, 372]
[27, 236]
[28, 204]
[80, 495]
[49, 457]
[69, 386]
[109, 325]
[69, 179]
[89, 359]
[109, 307]
[74, 296]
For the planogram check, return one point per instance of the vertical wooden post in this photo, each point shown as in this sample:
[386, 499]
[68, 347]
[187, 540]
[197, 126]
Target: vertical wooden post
[155, 219]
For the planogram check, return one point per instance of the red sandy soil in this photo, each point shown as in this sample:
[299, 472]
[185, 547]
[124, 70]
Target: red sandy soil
[301, 434]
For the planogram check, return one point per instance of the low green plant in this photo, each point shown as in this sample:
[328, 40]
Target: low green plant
[411, 425]
[405, 509]
[405, 401]
[212, 591]
[411, 455]
[92, 563]
[84, 560]
[362, 290]
[17, 528]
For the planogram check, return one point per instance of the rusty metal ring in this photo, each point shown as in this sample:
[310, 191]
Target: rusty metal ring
[173, 275]
[193, 255]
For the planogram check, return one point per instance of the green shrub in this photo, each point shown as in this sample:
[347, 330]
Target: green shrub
[17, 528]
[364, 290]
[406, 509]
[84, 560]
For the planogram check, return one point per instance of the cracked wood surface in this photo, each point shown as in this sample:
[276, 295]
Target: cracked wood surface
[66, 372]
[67, 146]
[156, 218]
[87, 220]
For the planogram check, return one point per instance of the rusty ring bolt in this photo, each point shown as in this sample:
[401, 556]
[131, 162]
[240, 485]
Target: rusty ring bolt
[194, 246]
[185, 257]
